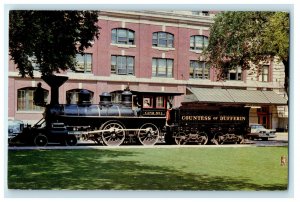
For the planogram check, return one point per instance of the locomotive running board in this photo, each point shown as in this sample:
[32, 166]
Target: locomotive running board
[114, 130]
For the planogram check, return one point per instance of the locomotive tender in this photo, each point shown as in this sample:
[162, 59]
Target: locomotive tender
[203, 123]
[113, 124]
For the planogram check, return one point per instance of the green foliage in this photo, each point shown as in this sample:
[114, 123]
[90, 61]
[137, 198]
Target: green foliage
[210, 168]
[49, 38]
[245, 38]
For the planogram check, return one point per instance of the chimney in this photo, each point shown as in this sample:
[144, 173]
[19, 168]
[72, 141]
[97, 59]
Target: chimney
[54, 82]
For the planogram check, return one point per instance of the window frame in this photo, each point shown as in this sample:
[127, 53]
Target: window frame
[203, 66]
[163, 102]
[76, 91]
[237, 72]
[264, 77]
[117, 39]
[150, 100]
[27, 102]
[85, 63]
[157, 67]
[157, 36]
[194, 45]
[129, 71]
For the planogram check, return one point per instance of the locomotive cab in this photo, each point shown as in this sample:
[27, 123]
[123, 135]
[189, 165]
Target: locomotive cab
[154, 105]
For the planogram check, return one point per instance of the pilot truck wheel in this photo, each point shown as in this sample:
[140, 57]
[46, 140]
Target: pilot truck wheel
[40, 140]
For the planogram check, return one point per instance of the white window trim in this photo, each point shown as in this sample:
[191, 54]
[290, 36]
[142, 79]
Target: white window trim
[123, 45]
[163, 48]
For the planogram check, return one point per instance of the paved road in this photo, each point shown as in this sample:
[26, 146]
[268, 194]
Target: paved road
[280, 140]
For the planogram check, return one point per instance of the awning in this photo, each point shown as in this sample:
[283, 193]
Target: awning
[236, 96]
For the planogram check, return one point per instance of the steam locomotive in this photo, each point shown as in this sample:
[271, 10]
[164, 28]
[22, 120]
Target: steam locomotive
[107, 123]
[113, 124]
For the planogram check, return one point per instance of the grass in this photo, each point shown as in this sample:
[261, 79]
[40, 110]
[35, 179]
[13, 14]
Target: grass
[250, 168]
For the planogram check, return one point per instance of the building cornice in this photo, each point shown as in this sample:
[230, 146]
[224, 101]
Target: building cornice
[159, 16]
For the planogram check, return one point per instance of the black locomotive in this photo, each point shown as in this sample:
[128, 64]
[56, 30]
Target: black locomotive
[153, 117]
[107, 123]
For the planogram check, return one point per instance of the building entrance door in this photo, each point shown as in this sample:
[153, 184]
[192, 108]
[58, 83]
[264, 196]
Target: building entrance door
[264, 116]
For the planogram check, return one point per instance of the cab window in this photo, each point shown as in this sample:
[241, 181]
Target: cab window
[160, 102]
[147, 102]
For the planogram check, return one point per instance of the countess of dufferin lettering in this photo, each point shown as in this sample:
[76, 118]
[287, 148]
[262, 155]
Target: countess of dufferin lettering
[208, 118]
[196, 118]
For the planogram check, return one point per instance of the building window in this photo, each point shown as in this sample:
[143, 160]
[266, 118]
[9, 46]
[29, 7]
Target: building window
[116, 97]
[205, 13]
[235, 74]
[72, 96]
[196, 12]
[122, 36]
[199, 69]
[34, 63]
[25, 99]
[163, 39]
[83, 63]
[162, 67]
[264, 74]
[122, 65]
[198, 42]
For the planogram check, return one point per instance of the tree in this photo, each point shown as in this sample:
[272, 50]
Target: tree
[246, 38]
[51, 39]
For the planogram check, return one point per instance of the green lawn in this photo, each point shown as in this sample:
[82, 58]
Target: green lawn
[248, 168]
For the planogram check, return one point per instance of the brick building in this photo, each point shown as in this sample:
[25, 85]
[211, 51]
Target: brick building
[156, 51]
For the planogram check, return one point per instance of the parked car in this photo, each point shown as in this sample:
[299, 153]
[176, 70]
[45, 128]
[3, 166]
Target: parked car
[15, 127]
[258, 131]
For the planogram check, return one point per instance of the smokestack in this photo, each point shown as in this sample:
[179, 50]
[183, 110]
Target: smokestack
[54, 82]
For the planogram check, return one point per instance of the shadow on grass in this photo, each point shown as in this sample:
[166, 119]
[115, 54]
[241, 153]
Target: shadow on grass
[109, 170]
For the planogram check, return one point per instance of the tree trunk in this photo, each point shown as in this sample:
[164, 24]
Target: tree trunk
[287, 74]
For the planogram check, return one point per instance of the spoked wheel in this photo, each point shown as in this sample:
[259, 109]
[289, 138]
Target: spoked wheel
[218, 138]
[114, 133]
[40, 140]
[71, 140]
[148, 134]
[180, 138]
[202, 138]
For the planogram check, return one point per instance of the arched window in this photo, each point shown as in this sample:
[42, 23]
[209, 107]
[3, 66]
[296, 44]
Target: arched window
[72, 96]
[198, 42]
[25, 99]
[122, 36]
[163, 39]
